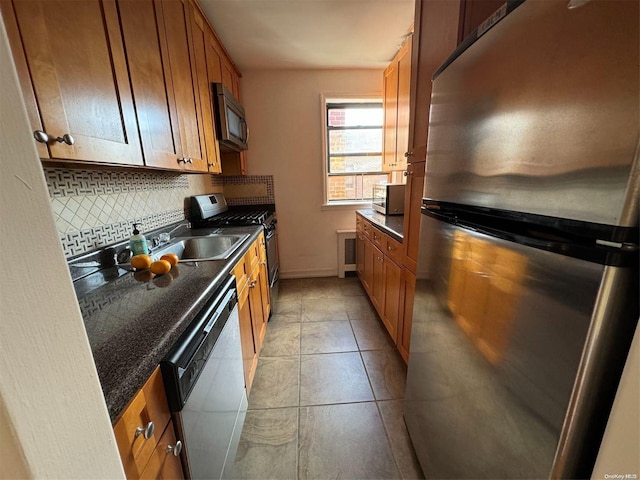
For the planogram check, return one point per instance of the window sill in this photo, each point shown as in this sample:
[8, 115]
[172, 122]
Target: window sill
[346, 205]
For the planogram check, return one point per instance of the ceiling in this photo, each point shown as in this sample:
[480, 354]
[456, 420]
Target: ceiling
[310, 34]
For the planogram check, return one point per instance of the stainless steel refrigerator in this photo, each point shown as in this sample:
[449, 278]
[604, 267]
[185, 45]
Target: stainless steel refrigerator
[527, 284]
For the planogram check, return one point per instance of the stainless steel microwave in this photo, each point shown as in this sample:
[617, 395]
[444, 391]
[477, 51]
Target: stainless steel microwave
[388, 199]
[231, 125]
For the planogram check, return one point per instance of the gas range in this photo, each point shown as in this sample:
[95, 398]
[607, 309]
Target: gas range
[211, 210]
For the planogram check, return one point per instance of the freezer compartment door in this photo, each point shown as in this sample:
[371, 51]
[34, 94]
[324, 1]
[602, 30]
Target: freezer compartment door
[498, 333]
[542, 114]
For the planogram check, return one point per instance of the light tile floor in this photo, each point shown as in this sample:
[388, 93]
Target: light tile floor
[326, 401]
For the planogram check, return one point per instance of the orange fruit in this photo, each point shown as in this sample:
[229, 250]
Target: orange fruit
[160, 267]
[140, 262]
[172, 258]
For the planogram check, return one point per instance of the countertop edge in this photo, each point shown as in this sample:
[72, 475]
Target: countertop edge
[392, 225]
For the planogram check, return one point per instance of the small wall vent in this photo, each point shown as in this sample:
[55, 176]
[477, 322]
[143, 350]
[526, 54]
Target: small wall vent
[346, 251]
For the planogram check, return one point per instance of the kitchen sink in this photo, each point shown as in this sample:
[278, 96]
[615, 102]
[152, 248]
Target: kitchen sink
[212, 247]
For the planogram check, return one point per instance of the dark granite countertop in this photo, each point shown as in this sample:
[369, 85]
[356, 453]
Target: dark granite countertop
[132, 321]
[392, 225]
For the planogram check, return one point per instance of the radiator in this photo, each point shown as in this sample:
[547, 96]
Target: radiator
[346, 251]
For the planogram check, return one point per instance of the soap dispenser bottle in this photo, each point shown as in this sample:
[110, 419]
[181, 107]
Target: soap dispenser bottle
[137, 242]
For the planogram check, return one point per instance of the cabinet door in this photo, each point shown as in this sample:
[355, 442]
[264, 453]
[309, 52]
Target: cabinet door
[392, 288]
[377, 284]
[258, 320]
[227, 74]
[367, 278]
[360, 255]
[435, 37]
[77, 64]
[175, 15]
[265, 290]
[413, 198]
[249, 351]
[199, 31]
[403, 106]
[148, 406]
[163, 464]
[404, 331]
[152, 83]
[390, 116]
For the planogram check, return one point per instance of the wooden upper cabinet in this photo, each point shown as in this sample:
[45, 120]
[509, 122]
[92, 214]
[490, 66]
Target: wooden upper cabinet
[404, 88]
[434, 39]
[152, 83]
[199, 41]
[397, 79]
[175, 14]
[76, 62]
[390, 115]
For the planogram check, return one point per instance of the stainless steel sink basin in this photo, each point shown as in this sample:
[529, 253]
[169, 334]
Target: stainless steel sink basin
[212, 247]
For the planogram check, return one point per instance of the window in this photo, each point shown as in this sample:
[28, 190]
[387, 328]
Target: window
[353, 149]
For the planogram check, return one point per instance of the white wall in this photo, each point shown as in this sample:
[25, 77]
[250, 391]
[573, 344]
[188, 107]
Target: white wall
[53, 419]
[620, 450]
[285, 118]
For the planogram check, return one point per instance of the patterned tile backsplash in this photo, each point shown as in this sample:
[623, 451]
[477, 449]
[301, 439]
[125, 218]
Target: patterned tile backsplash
[95, 208]
[249, 190]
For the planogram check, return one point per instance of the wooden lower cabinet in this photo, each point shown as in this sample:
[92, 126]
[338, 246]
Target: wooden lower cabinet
[164, 464]
[139, 434]
[387, 281]
[254, 305]
[392, 297]
[406, 319]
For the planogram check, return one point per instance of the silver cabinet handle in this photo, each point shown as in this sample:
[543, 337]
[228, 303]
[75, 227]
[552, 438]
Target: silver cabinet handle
[66, 138]
[41, 136]
[147, 431]
[189, 160]
[175, 449]
[182, 160]
[390, 248]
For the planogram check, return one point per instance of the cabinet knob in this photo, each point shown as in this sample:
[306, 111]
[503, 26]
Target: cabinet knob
[41, 136]
[147, 431]
[175, 449]
[253, 283]
[390, 248]
[408, 154]
[66, 138]
[213, 164]
[189, 160]
[407, 173]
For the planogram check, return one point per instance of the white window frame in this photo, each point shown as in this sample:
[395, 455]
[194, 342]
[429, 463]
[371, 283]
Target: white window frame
[340, 98]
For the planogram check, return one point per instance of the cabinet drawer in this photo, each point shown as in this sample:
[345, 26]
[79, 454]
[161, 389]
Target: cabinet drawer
[366, 228]
[254, 255]
[393, 250]
[378, 238]
[241, 272]
[135, 437]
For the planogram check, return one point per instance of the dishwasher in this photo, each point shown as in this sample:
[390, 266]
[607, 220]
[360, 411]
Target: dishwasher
[204, 380]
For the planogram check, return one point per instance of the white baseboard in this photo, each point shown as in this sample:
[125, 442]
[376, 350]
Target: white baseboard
[325, 272]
